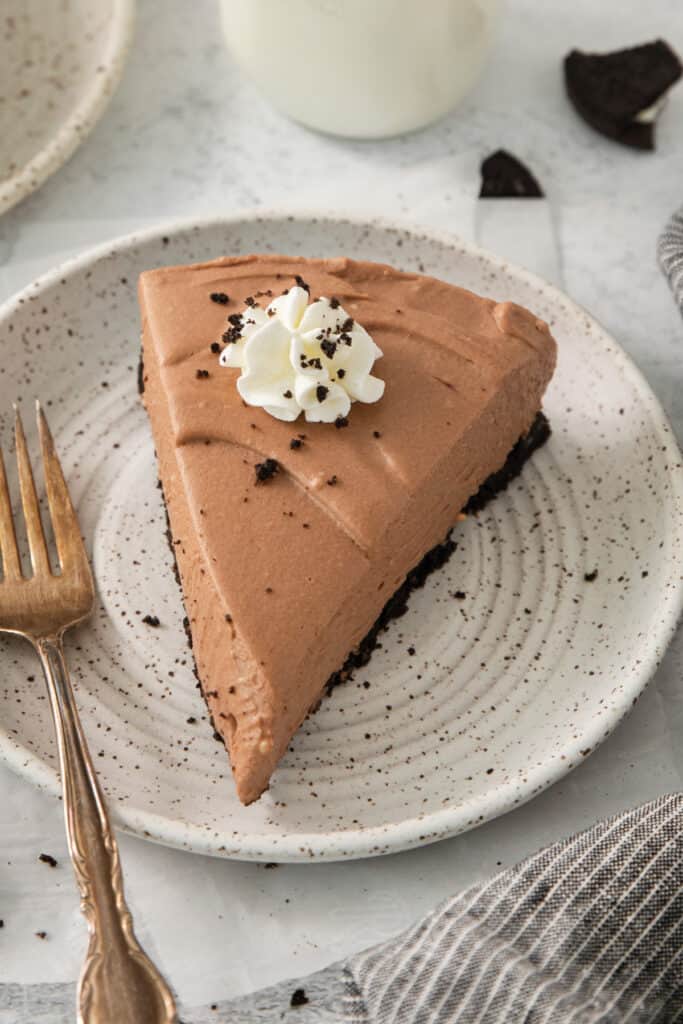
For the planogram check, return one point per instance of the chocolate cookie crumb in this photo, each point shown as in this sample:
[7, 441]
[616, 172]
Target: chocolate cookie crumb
[332, 481]
[234, 333]
[191, 720]
[334, 303]
[321, 392]
[341, 421]
[201, 374]
[302, 284]
[460, 595]
[43, 935]
[341, 373]
[590, 576]
[215, 347]
[504, 176]
[287, 393]
[47, 858]
[220, 297]
[376, 433]
[295, 443]
[266, 470]
[299, 997]
[151, 620]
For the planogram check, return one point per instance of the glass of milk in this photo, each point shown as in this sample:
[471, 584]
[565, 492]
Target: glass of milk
[361, 68]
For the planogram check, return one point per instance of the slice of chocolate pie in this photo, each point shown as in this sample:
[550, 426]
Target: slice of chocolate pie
[305, 478]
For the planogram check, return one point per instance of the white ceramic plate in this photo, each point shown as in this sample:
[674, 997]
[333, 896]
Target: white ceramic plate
[59, 64]
[510, 685]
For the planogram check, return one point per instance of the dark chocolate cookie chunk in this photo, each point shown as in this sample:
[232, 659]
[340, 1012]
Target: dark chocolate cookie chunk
[503, 176]
[620, 94]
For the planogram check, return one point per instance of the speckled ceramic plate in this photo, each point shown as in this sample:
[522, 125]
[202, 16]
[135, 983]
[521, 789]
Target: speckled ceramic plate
[59, 64]
[529, 646]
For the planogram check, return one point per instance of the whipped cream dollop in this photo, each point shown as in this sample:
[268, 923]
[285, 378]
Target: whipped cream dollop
[297, 356]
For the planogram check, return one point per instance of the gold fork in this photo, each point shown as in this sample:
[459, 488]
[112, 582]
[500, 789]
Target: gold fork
[119, 984]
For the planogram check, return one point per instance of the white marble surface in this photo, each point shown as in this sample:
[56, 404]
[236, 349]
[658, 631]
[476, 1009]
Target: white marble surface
[186, 135]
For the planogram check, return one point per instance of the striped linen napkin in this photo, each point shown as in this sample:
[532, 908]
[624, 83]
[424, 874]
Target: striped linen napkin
[588, 931]
[670, 253]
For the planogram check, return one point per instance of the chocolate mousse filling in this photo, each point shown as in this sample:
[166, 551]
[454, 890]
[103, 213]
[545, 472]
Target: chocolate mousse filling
[397, 605]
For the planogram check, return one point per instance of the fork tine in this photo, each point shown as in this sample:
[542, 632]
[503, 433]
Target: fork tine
[11, 566]
[29, 500]
[64, 521]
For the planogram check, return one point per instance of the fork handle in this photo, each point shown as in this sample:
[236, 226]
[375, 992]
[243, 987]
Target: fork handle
[119, 984]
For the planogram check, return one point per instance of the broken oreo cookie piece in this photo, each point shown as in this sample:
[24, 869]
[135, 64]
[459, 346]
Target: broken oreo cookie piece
[503, 176]
[621, 94]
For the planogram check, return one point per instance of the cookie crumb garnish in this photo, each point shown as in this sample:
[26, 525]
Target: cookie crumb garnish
[341, 421]
[302, 284]
[376, 433]
[151, 620]
[215, 347]
[234, 332]
[299, 997]
[47, 858]
[266, 470]
[202, 374]
[321, 392]
[295, 443]
[334, 303]
[590, 576]
[220, 297]
[333, 480]
[43, 935]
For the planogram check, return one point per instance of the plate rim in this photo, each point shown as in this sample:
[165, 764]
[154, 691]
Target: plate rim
[84, 116]
[418, 830]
